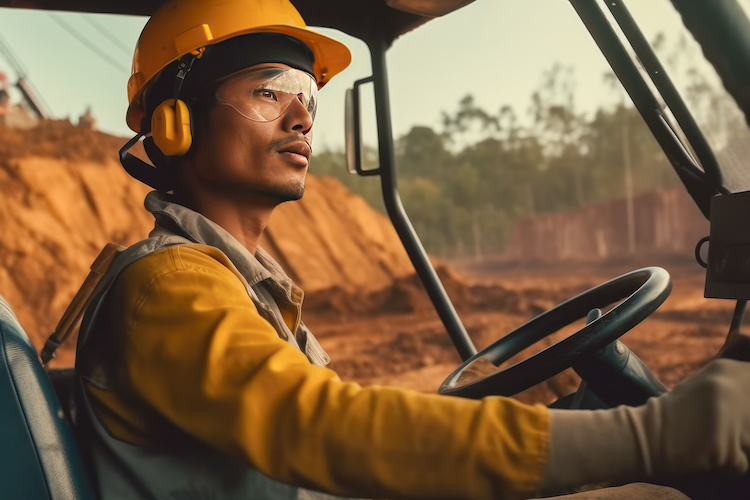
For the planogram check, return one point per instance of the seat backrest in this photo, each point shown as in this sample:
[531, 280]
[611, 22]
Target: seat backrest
[38, 455]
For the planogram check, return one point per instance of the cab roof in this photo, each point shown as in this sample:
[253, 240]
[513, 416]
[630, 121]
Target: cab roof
[364, 19]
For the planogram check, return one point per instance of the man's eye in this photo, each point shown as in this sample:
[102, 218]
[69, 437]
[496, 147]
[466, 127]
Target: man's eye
[266, 94]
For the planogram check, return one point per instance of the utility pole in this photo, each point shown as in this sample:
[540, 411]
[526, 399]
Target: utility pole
[629, 204]
[30, 95]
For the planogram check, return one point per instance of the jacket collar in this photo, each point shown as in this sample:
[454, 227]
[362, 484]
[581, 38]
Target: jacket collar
[199, 229]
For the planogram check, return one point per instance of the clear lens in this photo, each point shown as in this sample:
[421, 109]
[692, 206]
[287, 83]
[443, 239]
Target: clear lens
[264, 94]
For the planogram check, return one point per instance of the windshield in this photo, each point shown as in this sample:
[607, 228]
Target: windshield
[715, 112]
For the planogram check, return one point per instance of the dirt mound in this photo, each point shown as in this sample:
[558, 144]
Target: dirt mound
[60, 140]
[63, 196]
[332, 239]
[405, 295]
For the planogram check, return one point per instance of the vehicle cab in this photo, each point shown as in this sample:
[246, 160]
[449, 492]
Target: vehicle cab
[33, 423]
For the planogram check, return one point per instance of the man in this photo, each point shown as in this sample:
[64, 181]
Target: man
[195, 375]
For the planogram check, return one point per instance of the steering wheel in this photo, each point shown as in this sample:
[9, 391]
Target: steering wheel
[643, 292]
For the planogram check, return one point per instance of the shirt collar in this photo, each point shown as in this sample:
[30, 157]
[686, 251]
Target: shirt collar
[198, 228]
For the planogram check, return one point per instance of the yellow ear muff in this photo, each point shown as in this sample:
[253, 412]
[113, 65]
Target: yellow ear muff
[170, 127]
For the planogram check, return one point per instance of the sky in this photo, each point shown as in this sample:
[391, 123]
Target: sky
[495, 50]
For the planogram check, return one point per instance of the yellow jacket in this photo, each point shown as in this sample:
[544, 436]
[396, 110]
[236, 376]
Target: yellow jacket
[197, 356]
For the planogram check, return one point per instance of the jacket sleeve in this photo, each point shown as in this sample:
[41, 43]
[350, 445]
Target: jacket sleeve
[199, 353]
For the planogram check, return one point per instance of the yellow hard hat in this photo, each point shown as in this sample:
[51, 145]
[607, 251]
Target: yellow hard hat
[183, 26]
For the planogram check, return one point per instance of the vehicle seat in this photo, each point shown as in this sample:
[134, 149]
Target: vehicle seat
[38, 455]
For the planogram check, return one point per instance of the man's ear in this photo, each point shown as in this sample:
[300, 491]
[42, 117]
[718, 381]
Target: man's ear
[170, 127]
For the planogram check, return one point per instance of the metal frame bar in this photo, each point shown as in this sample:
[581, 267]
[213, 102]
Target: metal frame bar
[666, 88]
[696, 181]
[397, 214]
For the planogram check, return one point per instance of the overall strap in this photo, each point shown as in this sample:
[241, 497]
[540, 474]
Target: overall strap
[122, 260]
[71, 318]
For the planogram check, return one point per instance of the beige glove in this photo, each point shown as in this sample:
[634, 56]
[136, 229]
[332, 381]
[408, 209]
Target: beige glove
[702, 424]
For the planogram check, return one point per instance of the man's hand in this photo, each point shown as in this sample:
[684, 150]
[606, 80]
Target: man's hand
[702, 424]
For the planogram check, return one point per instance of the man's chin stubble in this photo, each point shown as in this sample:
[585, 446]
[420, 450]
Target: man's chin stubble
[281, 194]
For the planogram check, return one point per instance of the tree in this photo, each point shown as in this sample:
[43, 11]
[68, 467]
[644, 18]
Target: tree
[422, 152]
[469, 122]
[464, 198]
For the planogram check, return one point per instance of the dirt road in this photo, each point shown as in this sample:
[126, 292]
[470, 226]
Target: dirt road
[412, 349]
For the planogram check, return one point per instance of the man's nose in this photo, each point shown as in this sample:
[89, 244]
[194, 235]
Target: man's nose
[297, 117]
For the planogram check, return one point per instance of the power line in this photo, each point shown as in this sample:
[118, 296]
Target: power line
[104, 32]
[10, 56]
[85, 41]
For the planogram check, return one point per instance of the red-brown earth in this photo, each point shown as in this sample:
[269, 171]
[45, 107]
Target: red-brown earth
[63, 196]
[413, 350]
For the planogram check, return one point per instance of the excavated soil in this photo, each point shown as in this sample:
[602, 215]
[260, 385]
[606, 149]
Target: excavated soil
[63, 195]
[413, 350]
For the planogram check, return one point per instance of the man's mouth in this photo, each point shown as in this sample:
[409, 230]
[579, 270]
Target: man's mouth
[300, 148]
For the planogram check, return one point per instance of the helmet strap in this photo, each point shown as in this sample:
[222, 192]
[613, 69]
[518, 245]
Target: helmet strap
[142, 171]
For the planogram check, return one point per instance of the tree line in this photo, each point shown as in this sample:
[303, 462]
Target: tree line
[466, 184]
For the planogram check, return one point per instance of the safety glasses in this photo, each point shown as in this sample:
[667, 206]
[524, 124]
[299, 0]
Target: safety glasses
[264, 94]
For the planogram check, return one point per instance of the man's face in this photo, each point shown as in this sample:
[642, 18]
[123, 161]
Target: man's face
[236, 154]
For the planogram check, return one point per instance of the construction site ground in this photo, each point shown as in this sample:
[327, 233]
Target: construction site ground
[63, 195]
[412, 349]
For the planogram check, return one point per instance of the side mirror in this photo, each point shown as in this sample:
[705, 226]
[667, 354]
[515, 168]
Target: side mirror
[353, 141]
